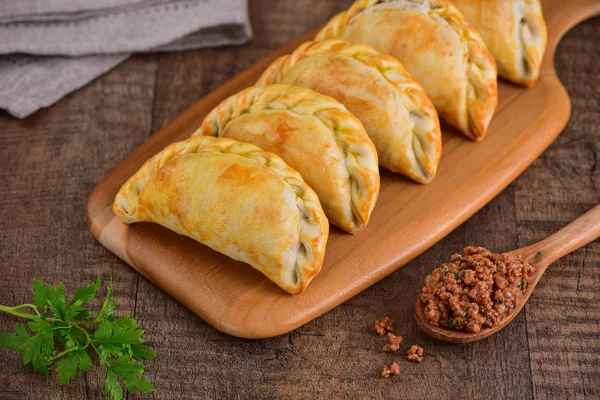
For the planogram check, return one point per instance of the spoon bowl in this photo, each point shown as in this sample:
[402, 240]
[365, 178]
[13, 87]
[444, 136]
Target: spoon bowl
[578, 233]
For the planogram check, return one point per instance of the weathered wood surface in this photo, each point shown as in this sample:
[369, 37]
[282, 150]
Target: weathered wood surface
[51, 161]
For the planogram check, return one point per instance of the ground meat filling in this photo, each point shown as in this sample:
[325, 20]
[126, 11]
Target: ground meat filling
[475, 290]
[393, 369]
[394, 344]
[383, 325]
[415, 353]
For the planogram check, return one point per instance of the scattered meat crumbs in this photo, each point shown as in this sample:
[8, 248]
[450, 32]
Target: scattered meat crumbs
[475, 290]
[393, 369]
[415, 353]
[383, 325]
[394, 343]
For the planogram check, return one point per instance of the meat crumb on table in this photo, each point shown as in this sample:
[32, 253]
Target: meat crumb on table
[383, 325]
[393, 369]
[394, 343]
[415, 353]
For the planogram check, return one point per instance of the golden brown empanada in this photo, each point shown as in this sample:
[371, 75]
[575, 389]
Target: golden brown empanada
[391, 104]
[316, 136]
[437, 46]
[515, 33]
[237, 199]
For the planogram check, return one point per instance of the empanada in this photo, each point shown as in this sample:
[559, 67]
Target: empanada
[237, 199]
[437, 46]
[515, 33]
[316, 136]
[392, 105]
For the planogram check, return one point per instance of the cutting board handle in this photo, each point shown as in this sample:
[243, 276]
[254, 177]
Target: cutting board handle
[561, 16]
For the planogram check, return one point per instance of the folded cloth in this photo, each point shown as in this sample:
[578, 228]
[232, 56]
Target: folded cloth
[56, 46]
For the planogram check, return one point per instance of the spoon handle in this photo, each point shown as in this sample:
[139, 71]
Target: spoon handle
[578, 233]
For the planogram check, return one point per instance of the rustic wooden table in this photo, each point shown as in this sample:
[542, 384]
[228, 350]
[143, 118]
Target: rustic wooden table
[50, 162]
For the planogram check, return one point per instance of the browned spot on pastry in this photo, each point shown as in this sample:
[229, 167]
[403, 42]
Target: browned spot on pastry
[235, 174]
[284, 130]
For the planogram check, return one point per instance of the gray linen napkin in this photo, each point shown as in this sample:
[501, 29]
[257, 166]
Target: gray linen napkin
[52, 47]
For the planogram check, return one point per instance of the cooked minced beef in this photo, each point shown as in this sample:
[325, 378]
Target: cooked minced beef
[394, 344]
[393, 369]
[475, 290]
[415, 353]
[383, 325]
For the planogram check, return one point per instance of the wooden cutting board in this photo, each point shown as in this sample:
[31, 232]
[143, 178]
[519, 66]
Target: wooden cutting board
[408, 218]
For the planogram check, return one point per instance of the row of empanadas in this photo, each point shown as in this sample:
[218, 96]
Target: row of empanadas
[436, 45]
[237, 199]
[376, 88]
[351, 107]
[315, 135]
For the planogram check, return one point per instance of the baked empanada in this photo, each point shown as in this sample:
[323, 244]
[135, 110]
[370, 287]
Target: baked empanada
[515, 33]
[392, 105]
[315, 135]
[437, 46]
[237, 199]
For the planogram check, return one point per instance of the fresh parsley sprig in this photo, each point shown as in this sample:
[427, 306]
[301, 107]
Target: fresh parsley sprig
[64, 332]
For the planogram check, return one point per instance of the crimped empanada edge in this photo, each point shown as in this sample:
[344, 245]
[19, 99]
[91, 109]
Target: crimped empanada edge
[478, 116]
[311, 211]
[362, 178]
[533, 53]
[408, 88]
[481, 109]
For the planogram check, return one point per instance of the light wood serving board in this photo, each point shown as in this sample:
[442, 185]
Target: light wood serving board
[408, 218]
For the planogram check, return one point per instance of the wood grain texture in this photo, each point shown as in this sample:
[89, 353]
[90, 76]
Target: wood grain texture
[51, 161]
[407, 219]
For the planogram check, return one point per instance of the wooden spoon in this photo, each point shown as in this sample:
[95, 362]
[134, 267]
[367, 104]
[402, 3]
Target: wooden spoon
[578, 233]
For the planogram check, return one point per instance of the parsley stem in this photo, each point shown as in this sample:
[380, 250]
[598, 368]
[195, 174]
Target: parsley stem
[30, 306]
[62, 353]
[87, 336]
[14, 311]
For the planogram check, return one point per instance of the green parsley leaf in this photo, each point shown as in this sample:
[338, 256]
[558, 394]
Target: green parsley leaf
[130, 373]
[72, 338]
[14, 342]
[115, 337]
[108, 307]
[41, 365]
[49, 296]
[67, 367]
[83, 295]
[39, 325]
[112, 387]
[140, 352]
[37, 349]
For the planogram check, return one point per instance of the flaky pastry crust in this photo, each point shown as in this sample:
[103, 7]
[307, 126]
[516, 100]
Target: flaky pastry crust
[391, 104]
[235, 198]
[316, 135]
[437, 46]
